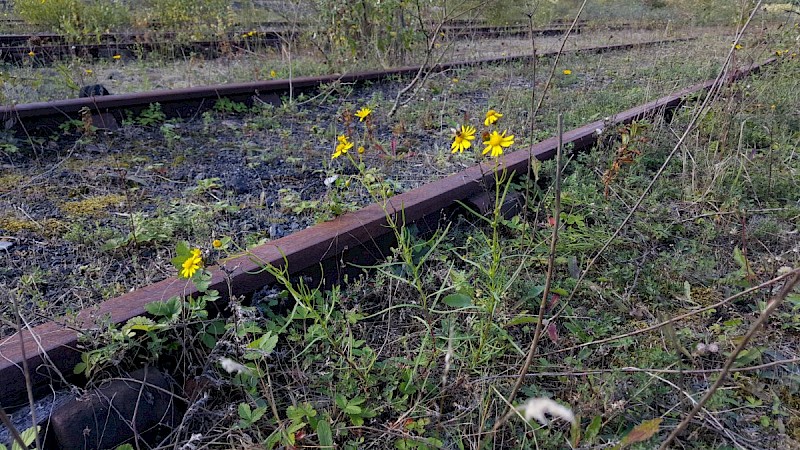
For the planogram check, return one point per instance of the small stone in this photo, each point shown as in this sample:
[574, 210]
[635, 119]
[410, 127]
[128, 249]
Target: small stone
[104, 418]
[5, 245]
[96, 148]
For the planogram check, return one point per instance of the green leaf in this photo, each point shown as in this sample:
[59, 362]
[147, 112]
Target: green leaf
[325, 434]
[341, 401]
[202, 280]
[208, 340]
[168, 309]
[575, 432]
[352, 409]
[140, 323]
[458, 300]
[183, 253]
[521, 320]
[125, 447]
[79, 368]
[293, 428]
[265, 344]
[245, 413]
[273, 439]
[593, 429]
[748, 357]
[28, 436]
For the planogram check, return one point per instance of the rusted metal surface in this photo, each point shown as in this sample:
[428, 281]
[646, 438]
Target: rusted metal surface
[52, 348]
[188, 102]
[47, 53]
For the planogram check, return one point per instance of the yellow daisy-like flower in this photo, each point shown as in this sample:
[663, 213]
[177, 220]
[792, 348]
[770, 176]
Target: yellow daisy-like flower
[463, 139]
[216, 243]
[192, 264]
[89, 71]
[567, 72]
[495, 143]
[273, 74]
[361, 150]
[363, 113]
[492, 116]
[31, 54]
[117, 57]
[738, 47]
[342, 147]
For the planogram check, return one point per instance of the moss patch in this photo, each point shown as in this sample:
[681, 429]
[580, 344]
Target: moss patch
[92, 207]
[49, 227]
[9, 182]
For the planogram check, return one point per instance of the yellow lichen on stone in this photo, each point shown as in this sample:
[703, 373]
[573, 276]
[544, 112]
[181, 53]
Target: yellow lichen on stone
[95, 206]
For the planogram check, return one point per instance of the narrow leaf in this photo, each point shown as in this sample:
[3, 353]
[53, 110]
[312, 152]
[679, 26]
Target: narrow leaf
[641, 432]
[325, 434]
[458, 300]
[593, 429]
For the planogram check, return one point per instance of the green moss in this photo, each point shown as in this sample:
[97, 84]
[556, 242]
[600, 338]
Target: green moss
[9, 182]
[48, 227]
[92, 207]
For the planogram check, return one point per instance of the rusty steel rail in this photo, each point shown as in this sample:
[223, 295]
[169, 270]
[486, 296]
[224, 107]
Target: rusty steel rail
[52, 349]
[29, 118]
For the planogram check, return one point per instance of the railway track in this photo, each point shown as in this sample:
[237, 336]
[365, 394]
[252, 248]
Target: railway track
[45, 48]
[51, 350]
[33, 118]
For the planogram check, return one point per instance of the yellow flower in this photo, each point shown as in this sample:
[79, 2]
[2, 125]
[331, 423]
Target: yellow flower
[778, 53]
[361, 149]
[342, 147]
[192, 264]
[88, 71]
[363, 113]
[567, 72]
[455, 80]
[273, 74]
[31, 54]
[117, 57]
[217, 243]
[492, 116]
[495, 142]
[463, 139]
[738, 46]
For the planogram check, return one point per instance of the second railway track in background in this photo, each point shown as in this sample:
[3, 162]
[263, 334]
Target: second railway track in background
[188, 102]
[44, 48]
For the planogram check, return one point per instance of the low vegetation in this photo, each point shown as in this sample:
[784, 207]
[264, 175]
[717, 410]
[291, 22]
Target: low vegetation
[627, 282]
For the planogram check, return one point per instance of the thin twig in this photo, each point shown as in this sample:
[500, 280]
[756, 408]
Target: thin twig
[6, 421]
[25, 369]
[771, 307]
[584, 373]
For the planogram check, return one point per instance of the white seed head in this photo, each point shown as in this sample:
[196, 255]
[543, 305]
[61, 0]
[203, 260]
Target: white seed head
[537, 408]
